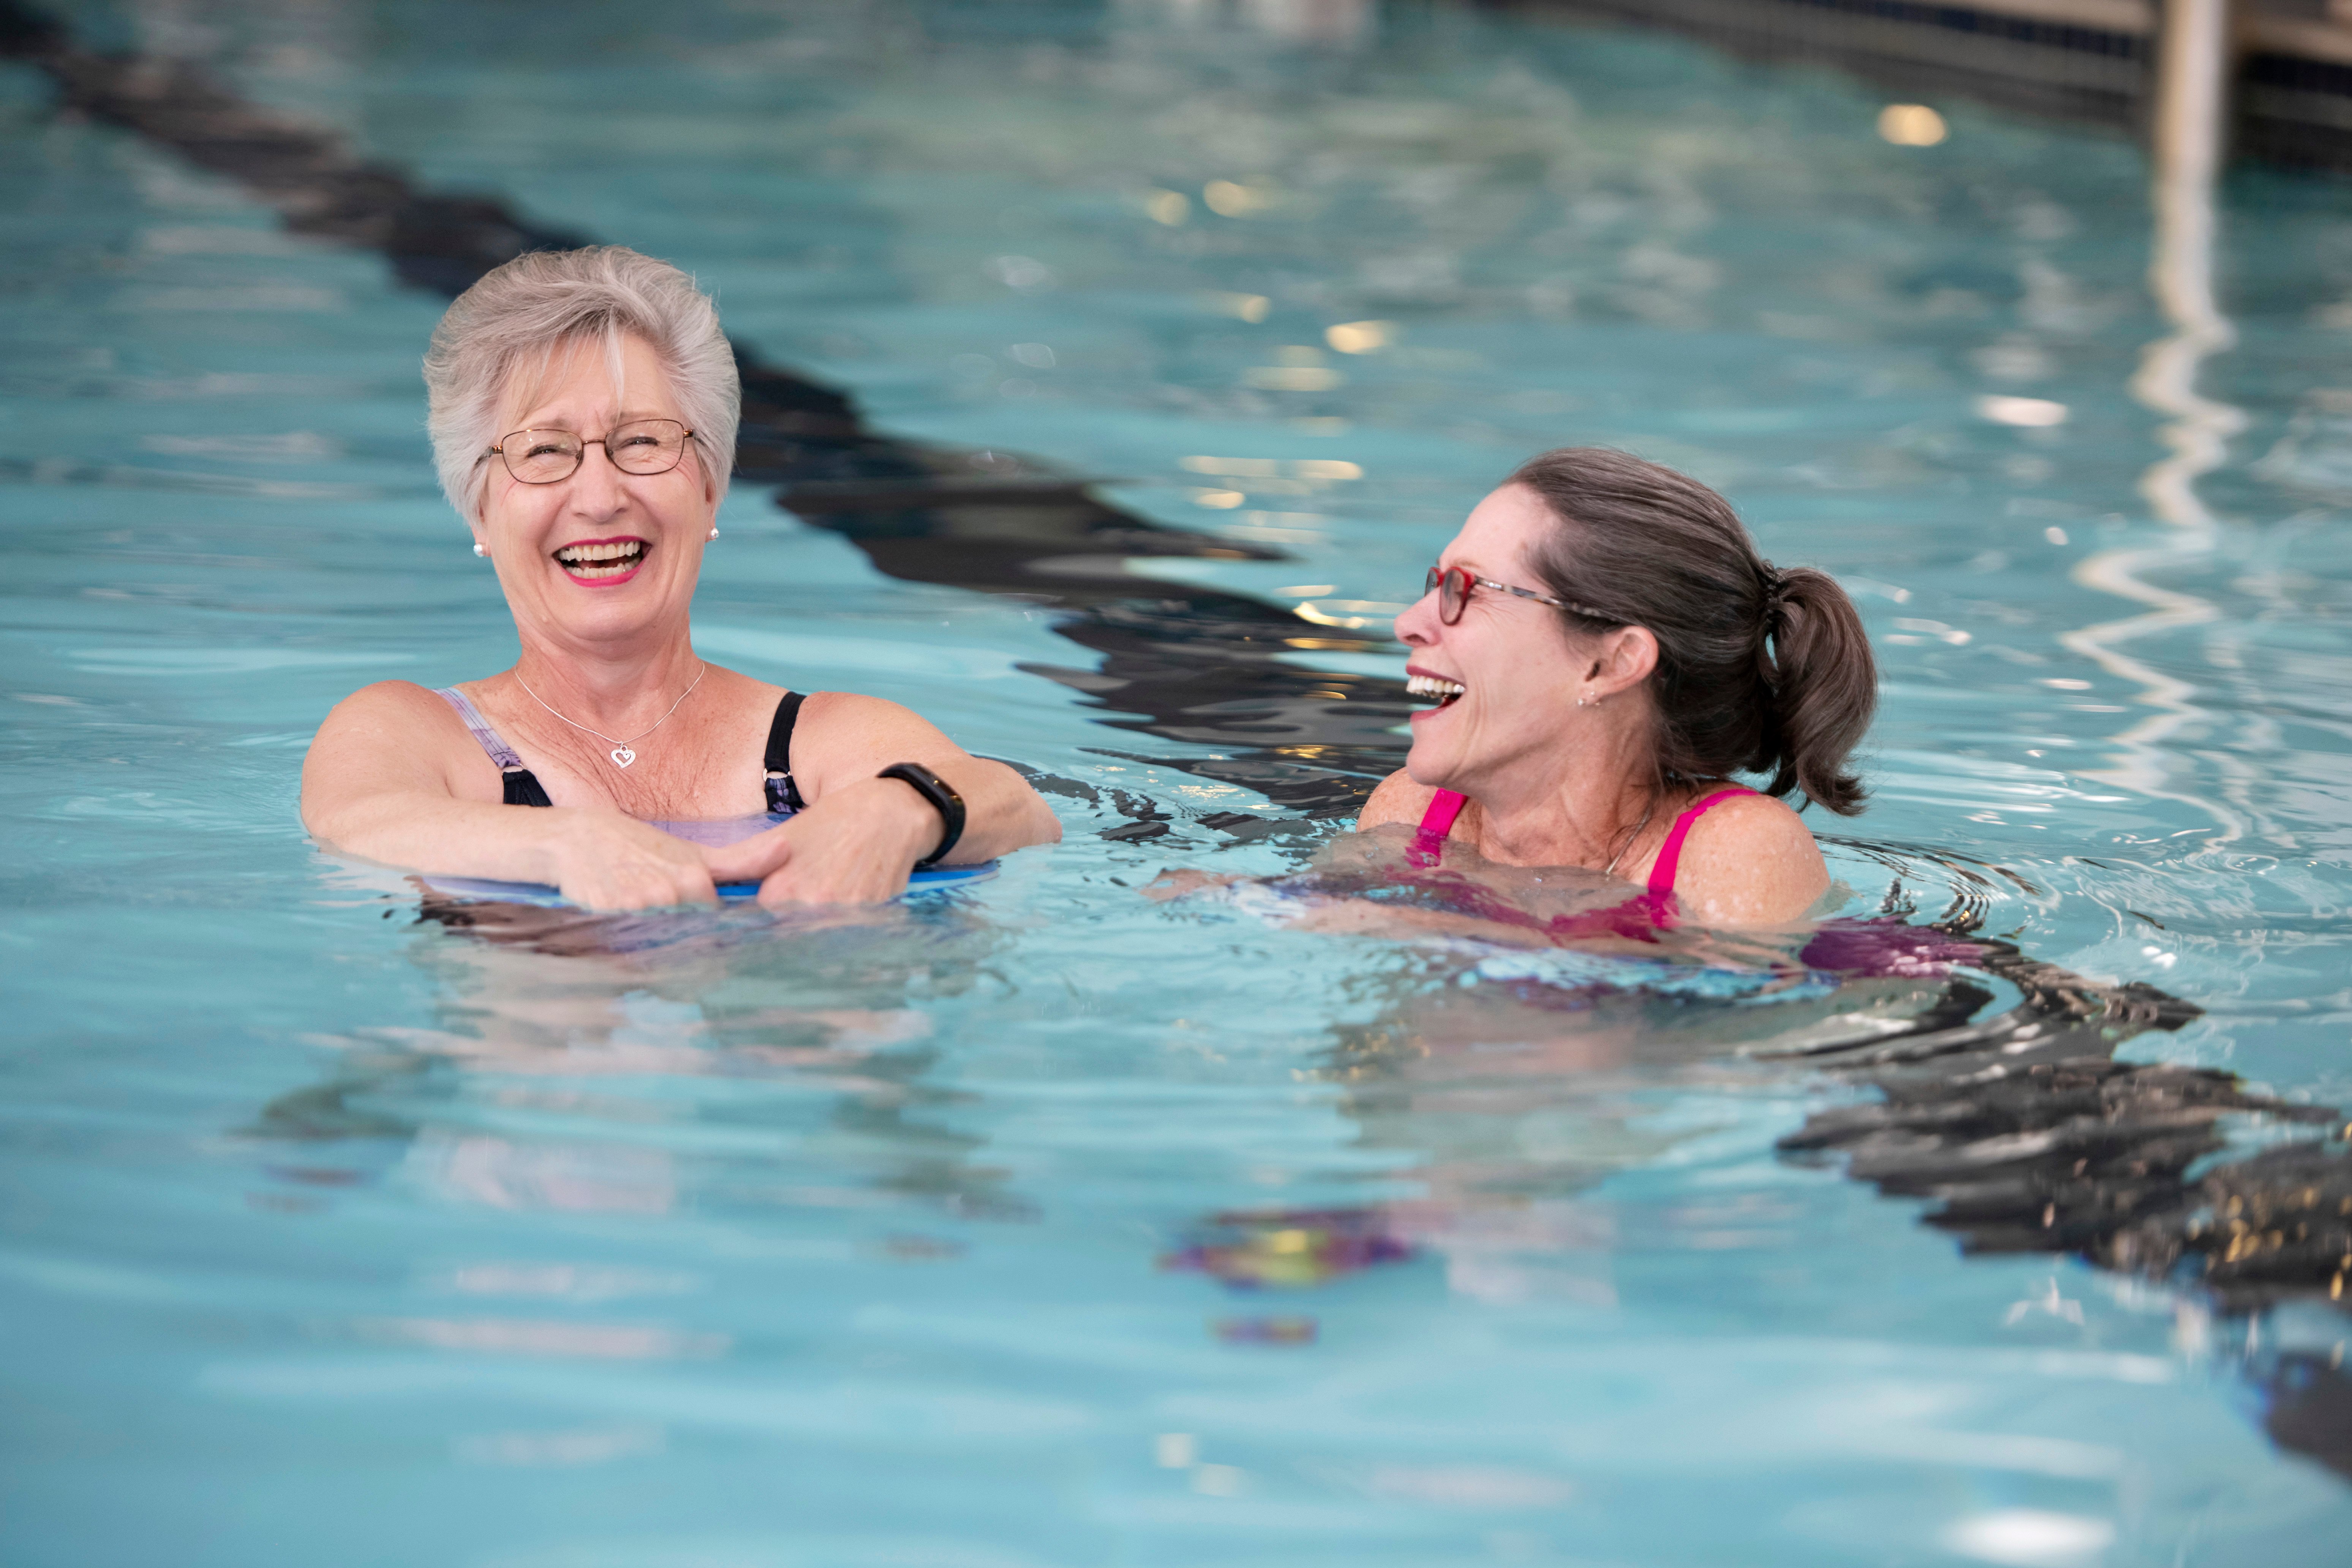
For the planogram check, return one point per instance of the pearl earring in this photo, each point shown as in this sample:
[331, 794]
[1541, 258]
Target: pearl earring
[480, 550]
[714, 533]
[1581, 700]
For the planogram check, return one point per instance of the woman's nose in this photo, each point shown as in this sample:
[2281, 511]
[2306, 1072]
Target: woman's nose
[596, 483]
[1417, 628]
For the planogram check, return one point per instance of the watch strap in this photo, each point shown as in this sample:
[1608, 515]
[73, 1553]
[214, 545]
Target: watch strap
[943, 798]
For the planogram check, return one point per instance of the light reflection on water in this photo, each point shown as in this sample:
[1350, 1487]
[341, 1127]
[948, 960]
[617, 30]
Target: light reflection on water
[924, 1239]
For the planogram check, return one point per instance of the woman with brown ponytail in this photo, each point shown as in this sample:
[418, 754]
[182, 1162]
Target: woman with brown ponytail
[1606, 649]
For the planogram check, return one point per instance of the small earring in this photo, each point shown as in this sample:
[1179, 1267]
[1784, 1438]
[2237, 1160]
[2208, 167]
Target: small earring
[1581, 700]
[480, 550]
[714, 533]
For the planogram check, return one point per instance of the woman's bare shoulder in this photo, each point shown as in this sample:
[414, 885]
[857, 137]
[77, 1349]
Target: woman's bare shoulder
[852, 717]
[1750, 860]
[393, 734]
[394, 704]
[842, 736]
[1398, 799]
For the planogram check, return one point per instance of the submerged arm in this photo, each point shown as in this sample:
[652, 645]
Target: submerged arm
[386, 779]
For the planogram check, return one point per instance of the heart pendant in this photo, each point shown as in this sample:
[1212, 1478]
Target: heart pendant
[622, 756]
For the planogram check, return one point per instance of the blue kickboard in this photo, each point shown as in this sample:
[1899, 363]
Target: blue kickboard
[546, 897]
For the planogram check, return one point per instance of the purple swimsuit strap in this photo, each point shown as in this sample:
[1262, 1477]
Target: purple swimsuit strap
[1670, 852]
[504, 755]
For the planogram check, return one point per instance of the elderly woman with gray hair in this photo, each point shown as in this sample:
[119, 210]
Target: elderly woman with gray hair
[584, 406]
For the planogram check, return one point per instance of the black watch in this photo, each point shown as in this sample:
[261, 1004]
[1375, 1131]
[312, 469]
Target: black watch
[944, 800]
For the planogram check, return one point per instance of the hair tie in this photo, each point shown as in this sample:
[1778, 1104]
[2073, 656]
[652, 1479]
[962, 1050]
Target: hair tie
[1775, 594]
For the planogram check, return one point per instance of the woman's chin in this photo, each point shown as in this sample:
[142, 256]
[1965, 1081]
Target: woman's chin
[610, 612]
[1431, 762]
[1427, 766]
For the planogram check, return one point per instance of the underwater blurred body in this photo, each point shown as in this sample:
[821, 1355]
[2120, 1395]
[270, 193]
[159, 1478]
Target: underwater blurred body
[1038, 1222]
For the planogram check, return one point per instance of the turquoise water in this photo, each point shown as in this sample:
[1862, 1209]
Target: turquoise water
[331, 1234]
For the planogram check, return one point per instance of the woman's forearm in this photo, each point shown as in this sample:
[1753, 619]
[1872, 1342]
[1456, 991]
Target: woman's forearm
[598, 859]
[434, 833]
[1001, 813]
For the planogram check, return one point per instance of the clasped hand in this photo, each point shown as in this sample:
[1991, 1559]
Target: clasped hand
[855, 846]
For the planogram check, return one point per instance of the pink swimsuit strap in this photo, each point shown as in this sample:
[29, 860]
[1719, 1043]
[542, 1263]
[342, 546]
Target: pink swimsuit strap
[1670, 852]
[1428, 844]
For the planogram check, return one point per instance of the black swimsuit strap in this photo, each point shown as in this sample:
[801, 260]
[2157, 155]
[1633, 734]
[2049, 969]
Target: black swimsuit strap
[523, 788]
[784, 795]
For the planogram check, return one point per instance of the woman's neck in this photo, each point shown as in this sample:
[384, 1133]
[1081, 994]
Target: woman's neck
[1580, 808]
[608, 687]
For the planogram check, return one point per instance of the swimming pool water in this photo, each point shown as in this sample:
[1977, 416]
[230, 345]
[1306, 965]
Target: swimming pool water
[1044, 1224]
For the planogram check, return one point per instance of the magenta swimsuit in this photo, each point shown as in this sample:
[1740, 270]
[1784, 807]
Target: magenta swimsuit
[1639, 917]
[1884, 945]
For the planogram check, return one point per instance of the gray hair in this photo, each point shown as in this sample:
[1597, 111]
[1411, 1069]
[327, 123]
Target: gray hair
[520, 315]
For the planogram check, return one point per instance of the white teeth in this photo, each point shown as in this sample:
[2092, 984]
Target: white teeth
[1433, 686]
[600, 560]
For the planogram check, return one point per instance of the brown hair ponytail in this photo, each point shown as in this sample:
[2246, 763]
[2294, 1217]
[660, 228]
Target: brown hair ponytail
[1825, 685]
[1759, 672]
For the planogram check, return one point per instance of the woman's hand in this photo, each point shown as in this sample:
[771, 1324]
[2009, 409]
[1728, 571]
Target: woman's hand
[855, 846]
[1183, 883]
[603, 860]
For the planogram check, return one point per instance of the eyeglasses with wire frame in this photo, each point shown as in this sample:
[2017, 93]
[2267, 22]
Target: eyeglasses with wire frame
[642, 447]
[1453, 585]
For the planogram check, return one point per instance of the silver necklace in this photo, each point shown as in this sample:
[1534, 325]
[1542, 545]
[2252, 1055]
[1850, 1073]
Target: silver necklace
[1611, 869]
[621, 754]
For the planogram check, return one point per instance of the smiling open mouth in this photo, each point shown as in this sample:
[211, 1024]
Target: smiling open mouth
[1442, 691]
[589, 563]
